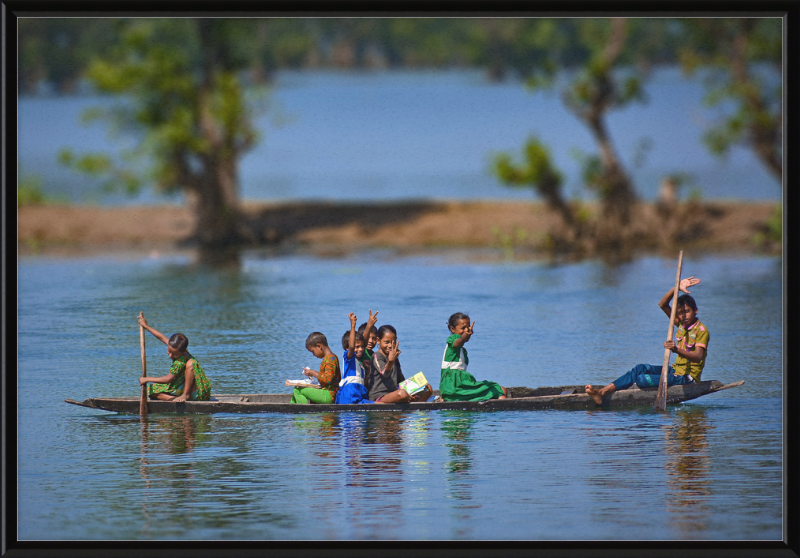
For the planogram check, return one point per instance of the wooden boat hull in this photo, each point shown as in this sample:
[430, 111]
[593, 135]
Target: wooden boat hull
[520, 398]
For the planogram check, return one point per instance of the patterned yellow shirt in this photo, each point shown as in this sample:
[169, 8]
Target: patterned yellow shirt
[696, 335]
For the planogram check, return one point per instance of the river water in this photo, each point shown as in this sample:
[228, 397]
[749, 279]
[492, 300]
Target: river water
[404, 135]
[709, 469]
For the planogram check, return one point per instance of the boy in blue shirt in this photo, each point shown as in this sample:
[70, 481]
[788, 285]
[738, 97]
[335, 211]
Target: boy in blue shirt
[352, 388]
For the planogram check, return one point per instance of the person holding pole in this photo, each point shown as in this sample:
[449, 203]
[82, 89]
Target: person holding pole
[690, 344]
[186, 380]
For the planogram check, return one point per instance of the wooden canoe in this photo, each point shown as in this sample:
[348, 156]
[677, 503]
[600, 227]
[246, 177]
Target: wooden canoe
[522, 398]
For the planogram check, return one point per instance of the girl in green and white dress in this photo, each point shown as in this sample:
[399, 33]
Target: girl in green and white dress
[185, 379]
[456, 383]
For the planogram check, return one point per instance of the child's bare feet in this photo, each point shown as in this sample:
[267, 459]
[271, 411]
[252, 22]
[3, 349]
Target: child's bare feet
[594, 394]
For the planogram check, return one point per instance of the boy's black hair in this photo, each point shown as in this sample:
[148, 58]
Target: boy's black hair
[363, 326]
[384, 328]
[178, 341]
[686, 300]
[455, 317]
[346, 339]
[316, 338]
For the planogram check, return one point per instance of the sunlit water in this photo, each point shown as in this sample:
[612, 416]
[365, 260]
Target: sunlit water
[707, 469]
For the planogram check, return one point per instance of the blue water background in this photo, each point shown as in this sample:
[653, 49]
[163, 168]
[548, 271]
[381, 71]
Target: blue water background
[710, 469]
[407, 135]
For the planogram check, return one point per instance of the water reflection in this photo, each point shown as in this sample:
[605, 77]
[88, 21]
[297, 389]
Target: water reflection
[457, 428]
[164, 481]
[382, 447]
[688, 471]
[321, 433]
[374, 458]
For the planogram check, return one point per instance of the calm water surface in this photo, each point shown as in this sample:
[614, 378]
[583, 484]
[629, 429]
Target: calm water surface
[400, 135]
[708, 469]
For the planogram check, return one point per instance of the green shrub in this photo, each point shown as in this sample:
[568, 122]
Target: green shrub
[29, 192]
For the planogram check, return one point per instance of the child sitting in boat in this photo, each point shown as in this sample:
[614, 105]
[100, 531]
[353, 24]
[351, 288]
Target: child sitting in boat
[385, 373]
[370, 334]
[185, 379]
[456, 383]
[691, 346]
[352, 388]
[328, 374]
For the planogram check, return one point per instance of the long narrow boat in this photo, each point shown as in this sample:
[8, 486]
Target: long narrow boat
[564, 397]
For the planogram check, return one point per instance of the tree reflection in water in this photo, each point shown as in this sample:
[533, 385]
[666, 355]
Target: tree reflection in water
[688, 471]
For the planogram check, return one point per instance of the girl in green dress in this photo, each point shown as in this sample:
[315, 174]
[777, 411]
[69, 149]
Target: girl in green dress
[456, 383]
[185, 379]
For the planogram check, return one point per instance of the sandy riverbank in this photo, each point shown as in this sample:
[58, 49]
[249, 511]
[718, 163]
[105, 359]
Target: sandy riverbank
[721, 226]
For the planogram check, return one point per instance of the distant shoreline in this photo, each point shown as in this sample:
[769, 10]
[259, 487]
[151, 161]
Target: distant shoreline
[342, 227]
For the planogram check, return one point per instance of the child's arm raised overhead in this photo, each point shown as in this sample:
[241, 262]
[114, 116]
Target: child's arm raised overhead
[351, 344]
[683, 286]
[373, 319]
[157, 334]
[465, 336]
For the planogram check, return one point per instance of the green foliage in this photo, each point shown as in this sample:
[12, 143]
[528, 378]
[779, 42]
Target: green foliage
[536, 170]
[60, 49]
[510, 241]
[742, 58]
[772, 234]
[30, 192]
[775, 225]
[183, 102]
[582, 212]
[695, 195]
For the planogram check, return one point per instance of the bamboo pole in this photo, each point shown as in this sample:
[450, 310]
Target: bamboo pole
[143, 400]
[661, 397]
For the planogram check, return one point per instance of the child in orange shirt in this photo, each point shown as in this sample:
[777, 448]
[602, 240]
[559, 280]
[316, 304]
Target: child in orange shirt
[328, 374]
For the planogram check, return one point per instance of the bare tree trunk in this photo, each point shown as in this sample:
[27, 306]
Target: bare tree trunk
[216, 207]
[215, 196]
[617, 196]
[616, 193]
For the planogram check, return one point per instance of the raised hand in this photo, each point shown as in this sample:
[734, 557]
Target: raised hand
[395, 350]
[352, 319]
[688, 282]
[373, 317]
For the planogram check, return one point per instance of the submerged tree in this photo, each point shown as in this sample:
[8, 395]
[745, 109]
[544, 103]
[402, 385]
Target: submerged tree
[596, 88]
[183, 98]
[742, 57]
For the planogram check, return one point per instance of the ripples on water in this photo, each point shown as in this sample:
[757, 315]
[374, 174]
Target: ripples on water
[709, 469]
